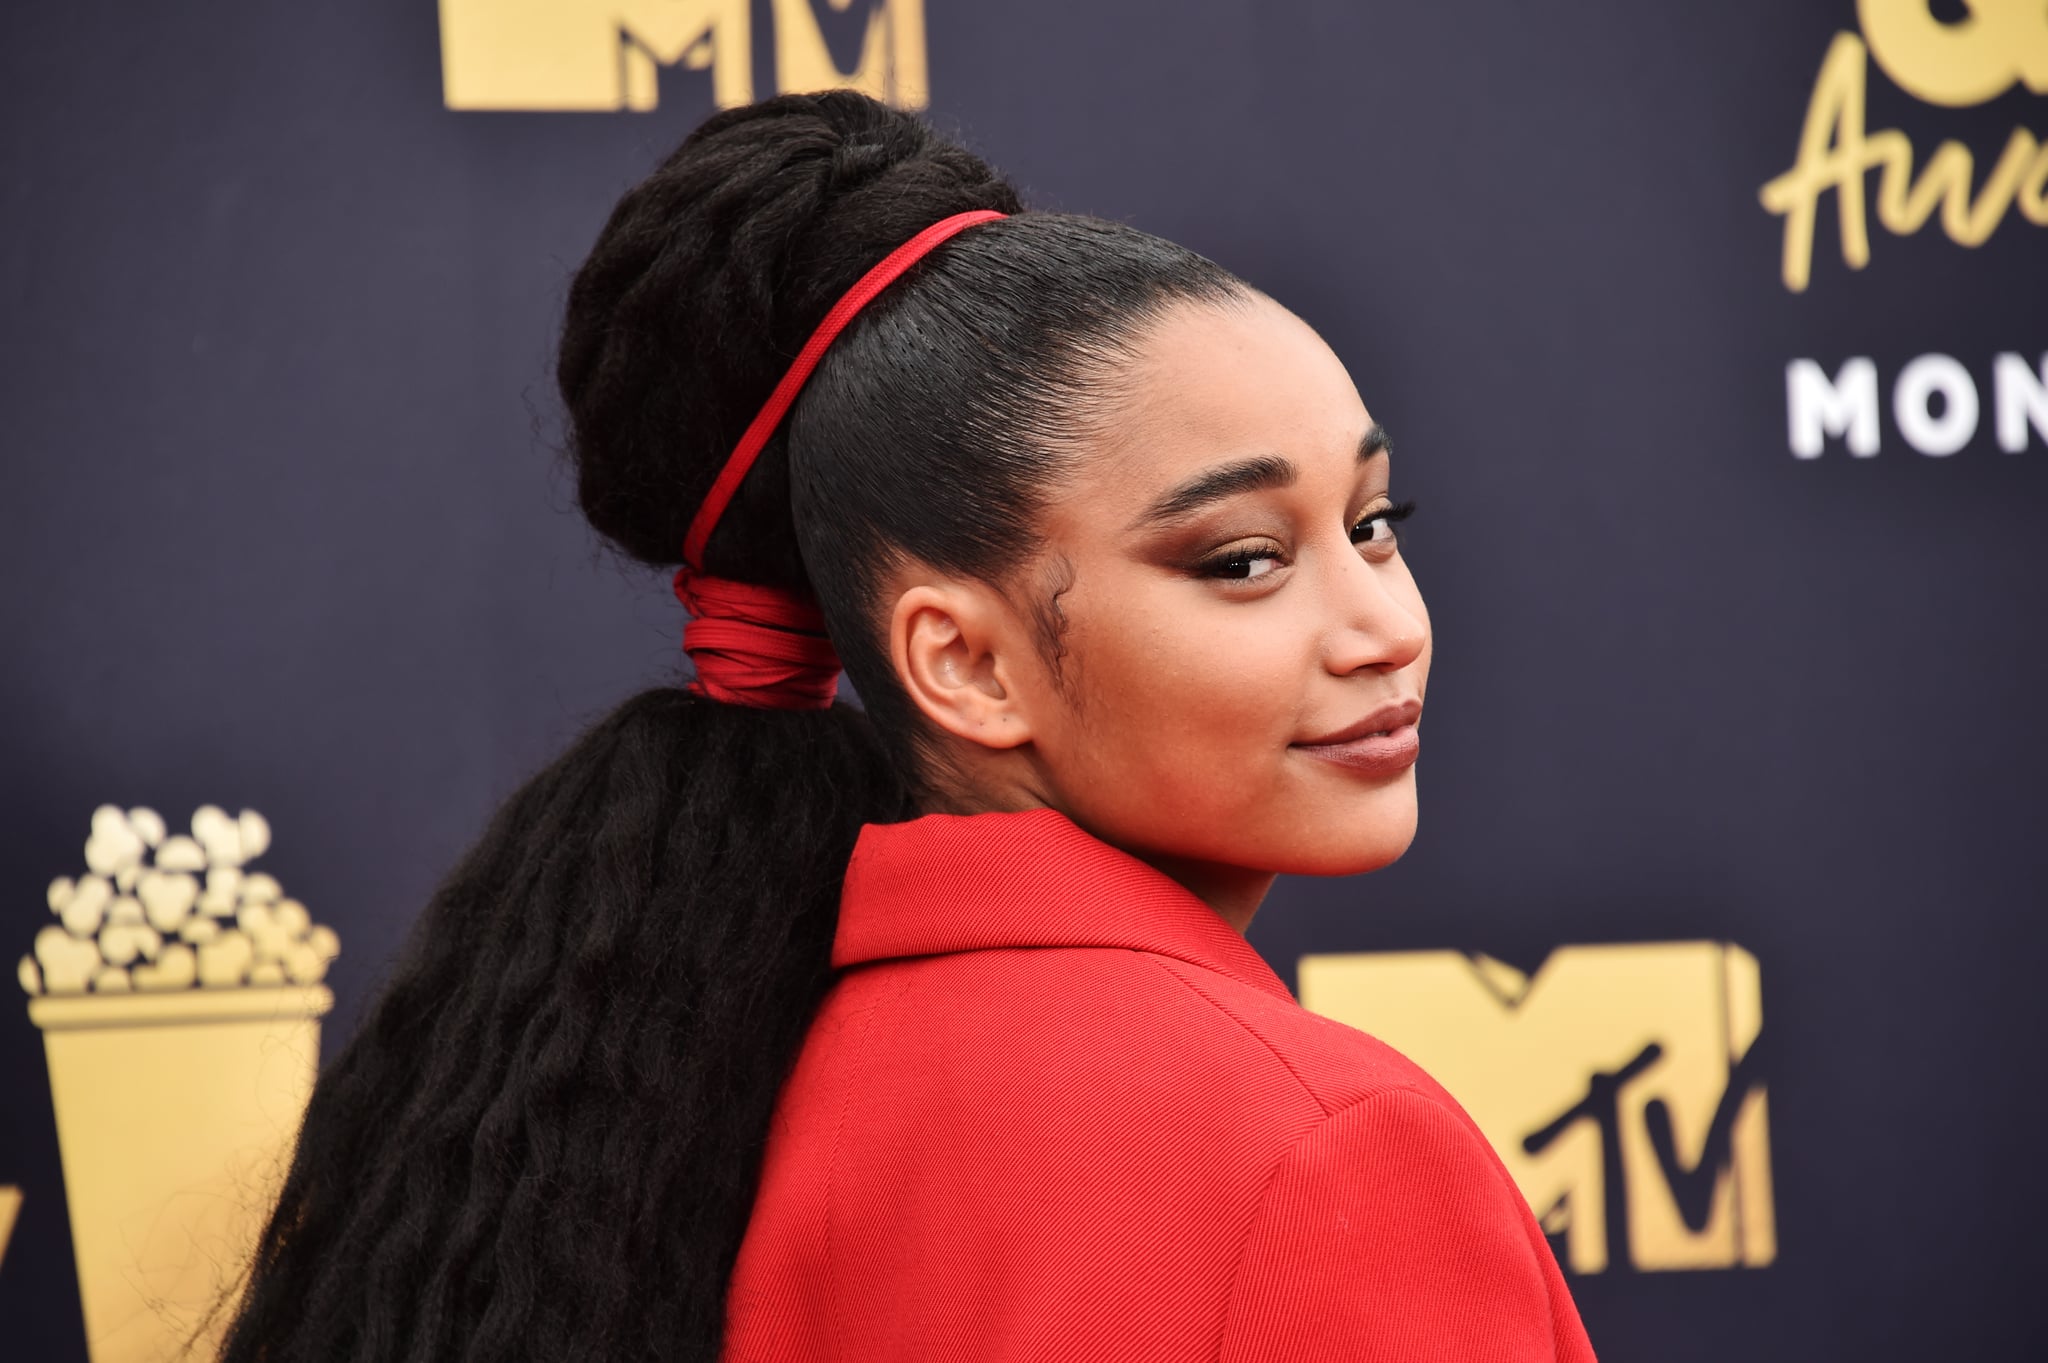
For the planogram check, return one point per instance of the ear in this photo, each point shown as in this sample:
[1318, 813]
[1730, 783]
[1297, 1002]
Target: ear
[954, 648]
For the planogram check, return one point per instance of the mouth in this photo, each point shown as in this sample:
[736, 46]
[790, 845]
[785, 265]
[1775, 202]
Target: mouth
[1383, 743]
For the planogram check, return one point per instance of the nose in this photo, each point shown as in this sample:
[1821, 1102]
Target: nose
[1377, 616]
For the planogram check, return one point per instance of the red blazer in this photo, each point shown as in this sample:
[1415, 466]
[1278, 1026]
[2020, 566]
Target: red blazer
[1057, 1108]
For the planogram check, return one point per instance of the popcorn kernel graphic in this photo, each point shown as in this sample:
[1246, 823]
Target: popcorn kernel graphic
[119, 916]
[179, 992]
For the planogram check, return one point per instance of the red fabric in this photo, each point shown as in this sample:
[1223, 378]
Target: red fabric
[756, 645]
[740, 633]
[1056, 1108]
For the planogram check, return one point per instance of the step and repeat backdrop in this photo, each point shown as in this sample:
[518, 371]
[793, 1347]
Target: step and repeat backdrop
[1715, 343]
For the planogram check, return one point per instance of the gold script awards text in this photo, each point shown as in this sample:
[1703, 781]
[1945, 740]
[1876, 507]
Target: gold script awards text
[2001, 43]
[607, 54]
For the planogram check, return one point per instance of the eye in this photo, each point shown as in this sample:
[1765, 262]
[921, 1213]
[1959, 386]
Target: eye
[1378, 528]
[1242, 565]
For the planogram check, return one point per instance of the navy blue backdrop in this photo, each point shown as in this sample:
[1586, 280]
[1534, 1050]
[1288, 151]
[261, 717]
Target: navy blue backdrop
[284, 527]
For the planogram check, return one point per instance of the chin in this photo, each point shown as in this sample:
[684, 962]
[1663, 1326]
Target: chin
[1359, 839]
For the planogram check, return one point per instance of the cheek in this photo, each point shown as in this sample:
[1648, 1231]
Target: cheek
[1185, 706]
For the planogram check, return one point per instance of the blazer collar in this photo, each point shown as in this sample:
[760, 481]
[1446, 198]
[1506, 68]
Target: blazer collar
[1032, 878]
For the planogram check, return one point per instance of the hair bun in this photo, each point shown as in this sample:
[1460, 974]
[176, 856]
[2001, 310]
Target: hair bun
[707, 278]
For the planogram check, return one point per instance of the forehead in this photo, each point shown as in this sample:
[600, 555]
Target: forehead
[1213, 383]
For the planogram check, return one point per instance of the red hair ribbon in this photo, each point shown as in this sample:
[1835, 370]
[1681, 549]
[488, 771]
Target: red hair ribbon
[766, 646]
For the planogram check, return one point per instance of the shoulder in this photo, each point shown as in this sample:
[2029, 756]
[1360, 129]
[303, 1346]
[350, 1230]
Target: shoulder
[1324, 1193]
[1390, 1230]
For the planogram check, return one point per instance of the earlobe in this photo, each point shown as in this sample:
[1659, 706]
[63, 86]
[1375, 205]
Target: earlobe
[947, 643]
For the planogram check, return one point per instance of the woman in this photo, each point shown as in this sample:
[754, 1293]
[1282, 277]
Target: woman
[761, 1027]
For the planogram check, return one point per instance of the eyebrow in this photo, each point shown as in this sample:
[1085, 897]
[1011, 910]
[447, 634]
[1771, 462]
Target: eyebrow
[1255, 474]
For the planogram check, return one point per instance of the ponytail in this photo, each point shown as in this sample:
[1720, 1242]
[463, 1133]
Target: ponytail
[542, 1142]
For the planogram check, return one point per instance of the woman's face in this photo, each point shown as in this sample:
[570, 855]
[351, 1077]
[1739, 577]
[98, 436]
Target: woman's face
[1235, 608]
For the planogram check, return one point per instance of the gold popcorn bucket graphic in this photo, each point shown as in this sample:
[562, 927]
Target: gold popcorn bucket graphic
[175, 1116]
[181, 1025]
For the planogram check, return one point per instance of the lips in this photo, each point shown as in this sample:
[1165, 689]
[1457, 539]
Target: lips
[1384, 743]
[1383, 721]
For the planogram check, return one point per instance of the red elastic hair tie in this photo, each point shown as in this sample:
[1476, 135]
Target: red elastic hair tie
[766, 646]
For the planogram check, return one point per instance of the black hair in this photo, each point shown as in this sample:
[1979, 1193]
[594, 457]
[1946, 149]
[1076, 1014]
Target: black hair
[543, 1140]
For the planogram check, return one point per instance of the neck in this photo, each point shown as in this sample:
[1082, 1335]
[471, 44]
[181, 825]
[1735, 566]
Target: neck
[1234, 892]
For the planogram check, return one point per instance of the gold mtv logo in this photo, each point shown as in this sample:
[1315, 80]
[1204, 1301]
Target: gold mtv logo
[607, 54]
[1618, 1084]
